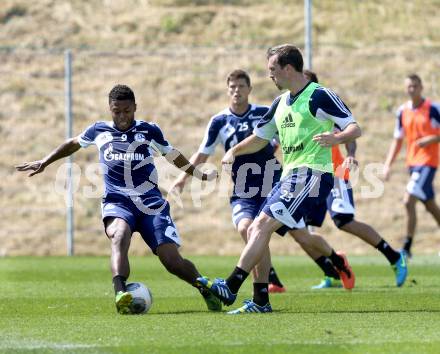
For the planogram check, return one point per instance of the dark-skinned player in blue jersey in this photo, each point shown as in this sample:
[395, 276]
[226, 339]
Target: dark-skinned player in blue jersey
[132, 200]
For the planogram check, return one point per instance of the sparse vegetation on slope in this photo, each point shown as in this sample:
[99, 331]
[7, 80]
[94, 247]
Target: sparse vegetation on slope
[175, 55]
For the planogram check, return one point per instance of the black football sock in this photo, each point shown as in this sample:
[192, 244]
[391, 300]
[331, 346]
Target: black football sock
[204, 292]
[273, 278]
[261, 293]
[119, 283]
[327, 267]
[337, 260]
[407, 244]
[235, 280]
[388, 252]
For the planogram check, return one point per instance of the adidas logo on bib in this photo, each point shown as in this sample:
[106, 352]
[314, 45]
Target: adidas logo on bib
[288, 122]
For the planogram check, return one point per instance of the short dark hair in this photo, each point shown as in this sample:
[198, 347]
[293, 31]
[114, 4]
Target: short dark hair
[121, 93]
[415, 77]
[311, 75]
[287, 54]
[238, 74]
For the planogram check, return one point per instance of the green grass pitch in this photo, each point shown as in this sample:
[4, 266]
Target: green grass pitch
[65, 305]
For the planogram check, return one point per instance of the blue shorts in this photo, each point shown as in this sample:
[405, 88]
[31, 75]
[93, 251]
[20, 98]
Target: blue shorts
[339, 204]
[420, 184]
[296, 196]
[245, 208]
[154, 224]
[249, 208]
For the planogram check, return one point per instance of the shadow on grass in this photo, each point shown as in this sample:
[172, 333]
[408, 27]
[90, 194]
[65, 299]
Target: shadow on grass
[182, 312]
[224, 311]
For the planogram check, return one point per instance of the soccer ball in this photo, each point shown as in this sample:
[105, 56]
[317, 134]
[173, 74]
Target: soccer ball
[142, 298]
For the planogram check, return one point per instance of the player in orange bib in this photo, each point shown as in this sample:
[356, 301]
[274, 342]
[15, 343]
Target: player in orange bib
[340, 206]
[418, 121]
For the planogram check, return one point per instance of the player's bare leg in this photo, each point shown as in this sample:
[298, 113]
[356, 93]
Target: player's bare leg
[411, 220]
[368, 234]
[332, 278]
[259, 234]
[364, 231]
[432, 207]
[260, 272]
[263, 270]
[119, 233]
[171, 258]
[315, 244]
[242, 229]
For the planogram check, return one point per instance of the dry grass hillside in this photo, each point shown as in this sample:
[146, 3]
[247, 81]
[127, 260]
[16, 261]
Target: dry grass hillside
[175, 54]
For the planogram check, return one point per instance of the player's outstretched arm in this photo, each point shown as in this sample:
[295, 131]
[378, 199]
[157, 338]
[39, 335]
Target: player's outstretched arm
[176, 158]
[250, 145]
[395, 147]
[67, 148]
[196, 159]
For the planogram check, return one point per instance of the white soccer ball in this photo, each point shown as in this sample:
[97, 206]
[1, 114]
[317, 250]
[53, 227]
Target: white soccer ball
[142, 298]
